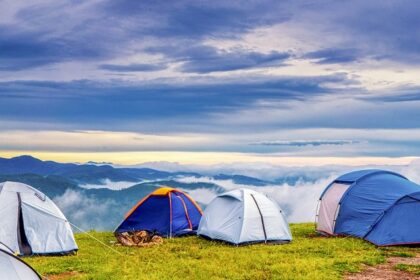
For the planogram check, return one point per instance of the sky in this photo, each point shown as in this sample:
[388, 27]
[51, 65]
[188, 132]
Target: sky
[290, 82]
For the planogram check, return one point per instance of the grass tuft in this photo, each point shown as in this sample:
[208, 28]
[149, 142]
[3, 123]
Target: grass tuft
[415, 269]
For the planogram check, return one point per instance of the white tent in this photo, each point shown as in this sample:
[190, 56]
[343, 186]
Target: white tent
[13, 268]
[30, 222]
[244, 216]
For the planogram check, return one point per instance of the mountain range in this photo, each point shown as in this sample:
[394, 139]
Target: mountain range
[96, 196]
[93, 173]
[63, 182]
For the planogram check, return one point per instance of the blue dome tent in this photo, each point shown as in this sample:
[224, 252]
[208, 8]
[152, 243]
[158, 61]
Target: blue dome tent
[166, 211]
[376, 205]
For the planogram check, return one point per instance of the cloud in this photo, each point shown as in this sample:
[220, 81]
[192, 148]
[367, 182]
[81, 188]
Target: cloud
[330, 56]
[327, 111]
[48, 32]
[264, 170]
[85, 212]
[189, 19]
[207, 59]
[20, 50]
[356, 31]
[108, 184]
[86, 141]
[202, 195]
[299, 202]
[390, 34]
[397, 94]
[301, 143]
[86, 101]
[229, 61]
[411, 170]
[225, 146]
[23, 51]
[134, 67]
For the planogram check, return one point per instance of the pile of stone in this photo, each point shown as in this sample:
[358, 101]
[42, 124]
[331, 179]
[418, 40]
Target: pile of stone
[141, 238]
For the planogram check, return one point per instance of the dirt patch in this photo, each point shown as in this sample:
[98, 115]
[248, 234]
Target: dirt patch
[316, 236]
[398, 260]
[64, 275]
[387, 271]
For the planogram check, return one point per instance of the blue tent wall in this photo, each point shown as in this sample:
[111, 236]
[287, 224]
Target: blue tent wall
[192, 216]
[366, 200]
[400, 224]
[180, 223]
[152, 215]
[193, 211]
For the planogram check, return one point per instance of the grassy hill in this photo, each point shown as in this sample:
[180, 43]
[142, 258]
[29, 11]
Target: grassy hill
[307, 257]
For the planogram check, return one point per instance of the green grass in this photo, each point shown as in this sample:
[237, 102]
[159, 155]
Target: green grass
[307, 257]
[415, 269]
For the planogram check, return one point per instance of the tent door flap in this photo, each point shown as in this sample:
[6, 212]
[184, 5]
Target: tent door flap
[24, 246]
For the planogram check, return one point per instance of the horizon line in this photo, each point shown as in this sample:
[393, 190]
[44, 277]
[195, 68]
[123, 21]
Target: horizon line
[209, 158]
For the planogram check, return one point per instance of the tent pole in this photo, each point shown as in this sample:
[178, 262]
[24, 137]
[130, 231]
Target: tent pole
[262, 218]
[170, 214]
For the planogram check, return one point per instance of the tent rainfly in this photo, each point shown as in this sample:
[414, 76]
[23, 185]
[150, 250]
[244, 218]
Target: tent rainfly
[30, 222]
[244, 216]
[166, 211]
[376, 205]
[13, 268]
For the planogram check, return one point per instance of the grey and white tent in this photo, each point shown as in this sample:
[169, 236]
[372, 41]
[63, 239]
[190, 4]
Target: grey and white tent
[13, 268]
[244, 216]
[30, 222]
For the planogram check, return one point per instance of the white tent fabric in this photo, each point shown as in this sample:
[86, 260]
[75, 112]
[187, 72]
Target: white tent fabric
[12, 268]
[28, 217]
[244, 216]
[328, 208]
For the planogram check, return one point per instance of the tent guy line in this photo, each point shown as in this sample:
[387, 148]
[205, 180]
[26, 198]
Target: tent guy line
[96, 239]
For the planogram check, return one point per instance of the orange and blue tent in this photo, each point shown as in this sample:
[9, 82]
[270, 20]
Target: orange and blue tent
[166, 211]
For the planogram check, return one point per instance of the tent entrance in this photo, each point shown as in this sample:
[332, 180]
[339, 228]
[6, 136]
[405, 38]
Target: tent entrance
[24, 246]
[329, 207]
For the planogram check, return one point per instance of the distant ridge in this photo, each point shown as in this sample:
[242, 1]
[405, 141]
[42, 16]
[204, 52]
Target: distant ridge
[83, 173]
[96, 173]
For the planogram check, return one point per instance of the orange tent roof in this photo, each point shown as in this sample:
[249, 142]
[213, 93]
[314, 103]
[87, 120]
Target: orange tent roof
[164, 190]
